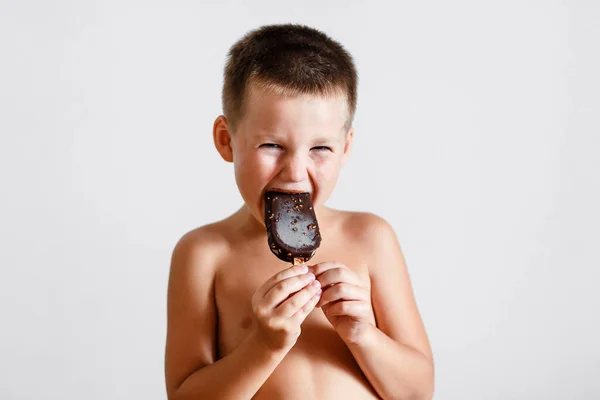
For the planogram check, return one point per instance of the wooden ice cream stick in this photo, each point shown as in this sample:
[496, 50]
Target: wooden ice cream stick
[298, 261]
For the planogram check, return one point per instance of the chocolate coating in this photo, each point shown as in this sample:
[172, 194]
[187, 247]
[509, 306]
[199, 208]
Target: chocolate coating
[292, 228]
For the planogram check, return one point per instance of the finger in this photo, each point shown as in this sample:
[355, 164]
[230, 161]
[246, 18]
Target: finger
[352, 308]
[301, 314]
[318, 269]
[294, 270]
[339, 275]
[343, 291]
[283, 289]
[291, 306]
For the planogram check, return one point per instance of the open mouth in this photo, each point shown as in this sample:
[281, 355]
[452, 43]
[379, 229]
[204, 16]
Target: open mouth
[275, 189]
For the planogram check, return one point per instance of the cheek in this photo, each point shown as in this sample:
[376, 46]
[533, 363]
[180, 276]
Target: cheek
[327, 169]
[325, 176]
[255, 169]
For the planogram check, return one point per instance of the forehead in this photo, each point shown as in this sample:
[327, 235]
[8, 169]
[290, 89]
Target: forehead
[267, 110]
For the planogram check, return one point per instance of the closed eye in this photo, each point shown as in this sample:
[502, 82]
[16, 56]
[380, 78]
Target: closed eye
[270, 146]
[321, 148]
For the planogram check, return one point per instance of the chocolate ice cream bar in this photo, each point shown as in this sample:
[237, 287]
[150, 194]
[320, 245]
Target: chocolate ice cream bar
[292, 228]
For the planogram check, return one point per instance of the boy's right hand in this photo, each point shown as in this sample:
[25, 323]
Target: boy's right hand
[281, 304]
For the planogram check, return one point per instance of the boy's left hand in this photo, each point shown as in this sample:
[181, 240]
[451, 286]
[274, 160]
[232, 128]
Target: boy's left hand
[346, 300]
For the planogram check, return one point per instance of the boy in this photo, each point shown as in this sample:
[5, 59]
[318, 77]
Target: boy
[243, 324]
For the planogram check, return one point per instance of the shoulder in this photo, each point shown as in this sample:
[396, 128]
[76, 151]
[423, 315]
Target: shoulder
[367, 228]
[200, 250]
[202, 241]
[376, 239]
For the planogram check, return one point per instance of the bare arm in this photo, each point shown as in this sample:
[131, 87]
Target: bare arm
[395, 370]
[191, 368]
[395, 356]
[239, 375]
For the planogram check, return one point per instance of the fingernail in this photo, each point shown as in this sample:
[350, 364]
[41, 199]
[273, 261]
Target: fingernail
[316, 284]
[311, 276]
[303, 268]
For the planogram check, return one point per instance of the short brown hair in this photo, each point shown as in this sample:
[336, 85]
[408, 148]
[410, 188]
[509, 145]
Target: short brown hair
[291, 60]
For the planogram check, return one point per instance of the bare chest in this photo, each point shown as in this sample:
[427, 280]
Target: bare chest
[237, 282]
[319, 351]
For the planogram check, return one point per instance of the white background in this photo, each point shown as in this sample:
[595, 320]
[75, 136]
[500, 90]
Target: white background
[477, 138]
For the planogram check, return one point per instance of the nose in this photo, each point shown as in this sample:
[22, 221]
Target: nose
[295, 168]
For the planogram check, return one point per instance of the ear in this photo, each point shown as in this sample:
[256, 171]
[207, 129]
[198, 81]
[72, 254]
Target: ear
[222, 138]
[348, 145]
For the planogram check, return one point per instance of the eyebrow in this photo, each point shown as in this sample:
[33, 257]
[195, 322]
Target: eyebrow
[316, 142]
[268, 137]
[321, 140]
[274, 136]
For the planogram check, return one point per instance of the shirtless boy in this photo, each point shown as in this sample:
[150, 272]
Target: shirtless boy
[243, 324]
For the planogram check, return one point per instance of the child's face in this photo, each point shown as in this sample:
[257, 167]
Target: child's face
[289, 144]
